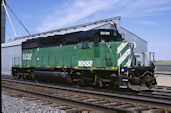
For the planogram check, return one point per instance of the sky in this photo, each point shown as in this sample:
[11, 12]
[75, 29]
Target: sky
[148, 19]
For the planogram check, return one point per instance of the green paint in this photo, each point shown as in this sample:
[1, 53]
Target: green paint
[103, 56]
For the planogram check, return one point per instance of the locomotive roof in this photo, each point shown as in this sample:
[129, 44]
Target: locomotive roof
[71, 38]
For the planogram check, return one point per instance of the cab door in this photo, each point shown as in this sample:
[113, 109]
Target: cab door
[84, 54]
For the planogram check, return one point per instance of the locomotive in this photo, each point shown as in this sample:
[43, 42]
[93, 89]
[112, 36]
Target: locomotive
[98, 57]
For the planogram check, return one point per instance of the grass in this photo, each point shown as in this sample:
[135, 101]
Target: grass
[163, 62]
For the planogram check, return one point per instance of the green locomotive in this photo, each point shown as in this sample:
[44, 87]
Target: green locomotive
[97, 57]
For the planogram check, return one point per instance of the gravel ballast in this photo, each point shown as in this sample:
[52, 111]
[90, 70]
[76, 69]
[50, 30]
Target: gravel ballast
[18, 105]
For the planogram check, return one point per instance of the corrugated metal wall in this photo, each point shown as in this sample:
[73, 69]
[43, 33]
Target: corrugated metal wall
[141, 45]
[9, 56]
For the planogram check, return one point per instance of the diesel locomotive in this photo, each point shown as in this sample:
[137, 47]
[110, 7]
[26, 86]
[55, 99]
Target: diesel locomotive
[98, 57]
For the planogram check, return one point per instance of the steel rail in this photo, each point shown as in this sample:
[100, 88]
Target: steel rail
[162, 73]
[63, 99]
[140, 97]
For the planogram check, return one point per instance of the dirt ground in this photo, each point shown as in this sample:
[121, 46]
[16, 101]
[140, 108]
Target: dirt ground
[163, 80]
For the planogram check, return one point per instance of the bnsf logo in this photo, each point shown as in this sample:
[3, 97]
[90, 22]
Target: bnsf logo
[85, 63]
[27, 56]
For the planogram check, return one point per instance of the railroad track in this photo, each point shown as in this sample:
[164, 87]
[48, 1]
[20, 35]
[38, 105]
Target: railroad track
[96, 99]
[73, 99]
[163, 90]
[40, 100]
[166, 88]
[163, 73]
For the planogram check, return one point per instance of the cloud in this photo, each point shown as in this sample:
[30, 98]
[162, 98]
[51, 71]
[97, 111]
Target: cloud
[138, 8]
[148, 23]
[77, 11]
[74, 12]
[27, 16]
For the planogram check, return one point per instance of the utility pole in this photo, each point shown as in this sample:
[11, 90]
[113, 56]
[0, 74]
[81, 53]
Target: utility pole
[2, 24]
[3, 3]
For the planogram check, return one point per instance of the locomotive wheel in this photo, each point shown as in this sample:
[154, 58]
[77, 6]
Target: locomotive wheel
[32, 76]
[82, 82]
[19, 76]
[23, 76]
[99, 82]
[149, 81]
[149, 85]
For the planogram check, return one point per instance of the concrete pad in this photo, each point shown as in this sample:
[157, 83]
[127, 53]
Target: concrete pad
[163, 80]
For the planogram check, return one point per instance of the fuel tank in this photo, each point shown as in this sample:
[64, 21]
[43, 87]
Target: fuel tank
[59, 77]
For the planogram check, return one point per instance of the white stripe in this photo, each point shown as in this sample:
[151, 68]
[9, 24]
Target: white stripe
[123, 57]
[123, 86]
[120, 47]
[128, 63]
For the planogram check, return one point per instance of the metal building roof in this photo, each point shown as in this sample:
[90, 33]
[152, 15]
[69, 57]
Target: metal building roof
[19, 40]
[81, 27]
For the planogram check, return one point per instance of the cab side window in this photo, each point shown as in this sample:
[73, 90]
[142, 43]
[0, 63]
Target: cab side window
[96, 41]
[85, 44]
